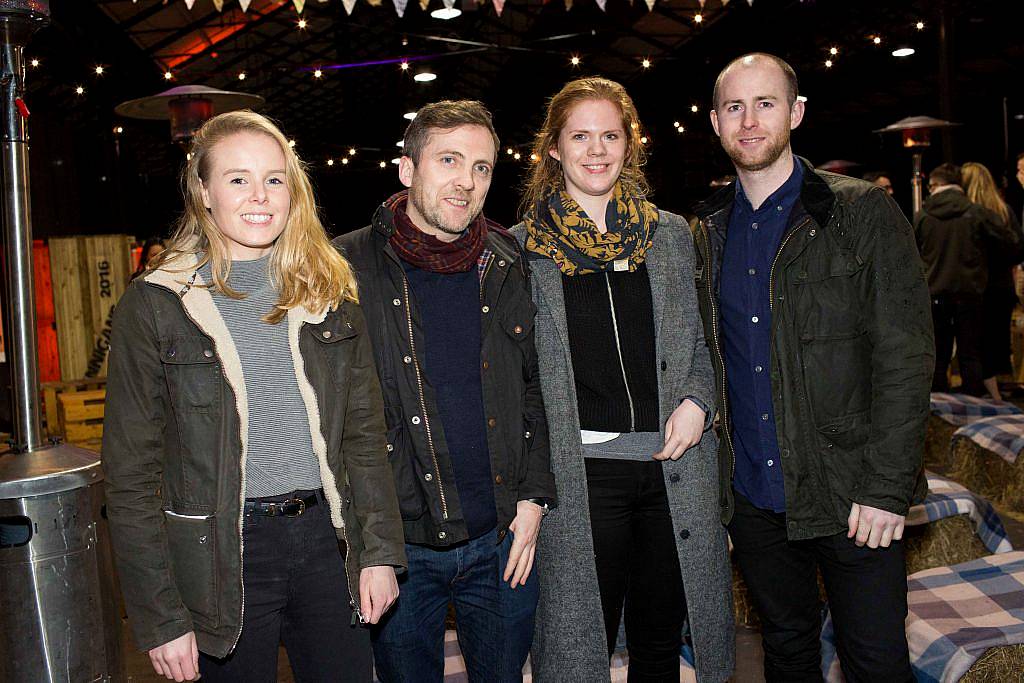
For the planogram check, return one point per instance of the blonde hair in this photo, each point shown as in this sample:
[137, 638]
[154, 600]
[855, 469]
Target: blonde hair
[547, 171]
[307, 270]
[981, 189]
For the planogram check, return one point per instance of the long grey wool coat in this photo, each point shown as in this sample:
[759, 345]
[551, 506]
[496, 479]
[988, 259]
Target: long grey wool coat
[569, 640]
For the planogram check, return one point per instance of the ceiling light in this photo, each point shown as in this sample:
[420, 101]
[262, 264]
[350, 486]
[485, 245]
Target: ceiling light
[676, 124]
[405, 66]
[351, 151]
[680, 129]
[575, 60]
[510, 151]
[694, 109]
[919, 25]
[409, 115]
[302, 23]
[99, 70]
[698, 18]
[643, 139]
[330, 162]
[534, 157]
[833, 51]
[318, 73]
[446, 13]
[646, 64]
[291, 143]
[877, 40]
[344, 161]
[517, 156]
[424, 77]
[79, 90]
[168, 75]
[828, 63]
[118, 130]
[903, 52]
[241, 76]
[34, 62]
[383, 164]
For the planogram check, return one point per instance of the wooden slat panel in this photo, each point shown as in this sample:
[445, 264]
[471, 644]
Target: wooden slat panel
[84, 432]
[73, 322]
[107, 267]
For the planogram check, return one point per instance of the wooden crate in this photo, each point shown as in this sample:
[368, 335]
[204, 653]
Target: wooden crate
[89, 275]
[81, 414]
[46, 328]
[52, 393]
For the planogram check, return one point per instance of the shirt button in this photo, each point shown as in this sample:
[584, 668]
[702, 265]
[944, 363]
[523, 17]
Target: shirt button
[498, 479]
[518, 329]
[407, 359]
[486, 309]
[754, 226]
[415, 419]
[327, 334]
[758, 368]
[396, 302]
[751, 271]
[770, 463]
[779, 207]
[764, 417]
[754, 319]
[491, 422]
[486, 365]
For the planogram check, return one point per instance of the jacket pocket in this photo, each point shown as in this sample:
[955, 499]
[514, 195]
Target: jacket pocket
[843, 442]
[411, 496]
[837, 375]
[193, 373]
[335, 336]
[192, 542]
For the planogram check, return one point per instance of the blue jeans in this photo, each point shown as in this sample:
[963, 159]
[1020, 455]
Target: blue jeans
[495, 622]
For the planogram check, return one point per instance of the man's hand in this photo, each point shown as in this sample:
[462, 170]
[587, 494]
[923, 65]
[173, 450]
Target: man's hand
[683, 430]
[378, 590]
[177, 660]
[874, 527]
[524, 528]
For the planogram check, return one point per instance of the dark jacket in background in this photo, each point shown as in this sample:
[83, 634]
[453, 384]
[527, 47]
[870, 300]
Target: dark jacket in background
[517, 433]
[852, 351]
[954, 236]
[174, 447]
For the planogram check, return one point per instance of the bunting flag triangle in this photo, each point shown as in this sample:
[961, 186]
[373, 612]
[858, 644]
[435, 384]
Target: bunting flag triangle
[299, 4]
[219, 4]
[424, 4]
[750, 2]
[244, 4]
[448, 3]
[568, 5]
[371, 3]
[349, 6]
[650, 5]
[189, 3]
[725, 2]
[703, 1]
[400, 7]
[601, 4]
[498, 6]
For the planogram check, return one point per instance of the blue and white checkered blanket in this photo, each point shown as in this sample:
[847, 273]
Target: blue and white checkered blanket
[946, 498]
[1002, 434]
[961, 409]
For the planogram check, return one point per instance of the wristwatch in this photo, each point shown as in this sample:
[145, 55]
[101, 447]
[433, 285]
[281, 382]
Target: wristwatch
[542, 503]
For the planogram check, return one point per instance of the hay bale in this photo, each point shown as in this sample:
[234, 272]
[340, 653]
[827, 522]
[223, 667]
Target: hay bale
[938, 437]
[944, 542]
[997, 665]
[988, 475]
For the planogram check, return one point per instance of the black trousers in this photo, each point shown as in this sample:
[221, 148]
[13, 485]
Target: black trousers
[296, 593]
[637, 564]
[960, 317]
[867, 596]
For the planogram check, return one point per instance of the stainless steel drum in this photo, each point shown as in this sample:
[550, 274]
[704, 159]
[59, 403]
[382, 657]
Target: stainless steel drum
[60, 619]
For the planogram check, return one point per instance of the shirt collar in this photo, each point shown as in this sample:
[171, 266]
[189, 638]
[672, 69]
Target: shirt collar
[785, 196]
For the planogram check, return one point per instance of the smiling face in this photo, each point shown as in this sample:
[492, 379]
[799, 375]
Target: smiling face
[591, 149]
[246, 191]
[449, 183]
[753, 117]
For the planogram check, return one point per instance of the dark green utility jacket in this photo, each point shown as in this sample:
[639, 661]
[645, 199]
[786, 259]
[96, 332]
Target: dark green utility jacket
[852, 351]
[174, 448]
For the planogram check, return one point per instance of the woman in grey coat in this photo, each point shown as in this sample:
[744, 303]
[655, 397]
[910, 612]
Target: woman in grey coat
[629, 393]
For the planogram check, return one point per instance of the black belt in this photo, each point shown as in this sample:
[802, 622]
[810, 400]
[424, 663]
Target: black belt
[288, 507]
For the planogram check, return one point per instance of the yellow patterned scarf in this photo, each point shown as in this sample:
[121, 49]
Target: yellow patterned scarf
[558, 228]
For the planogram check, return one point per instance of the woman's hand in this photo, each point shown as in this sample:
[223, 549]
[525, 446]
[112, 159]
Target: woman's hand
[177, 660]
[683, 430]
[378, 590]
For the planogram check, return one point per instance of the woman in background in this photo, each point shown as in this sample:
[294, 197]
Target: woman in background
[1000, 297]
[152, 248]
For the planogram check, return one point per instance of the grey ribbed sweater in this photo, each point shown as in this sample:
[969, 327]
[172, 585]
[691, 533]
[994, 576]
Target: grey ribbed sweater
[280, 457]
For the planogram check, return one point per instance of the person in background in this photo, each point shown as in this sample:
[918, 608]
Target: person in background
[815, 304]
[629, 391]
[150, 250]
[244, 432]
[879, 178]
[1000, 297]
[953, 236]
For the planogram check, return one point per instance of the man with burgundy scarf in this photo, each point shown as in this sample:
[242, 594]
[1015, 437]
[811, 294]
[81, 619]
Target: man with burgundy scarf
[446, 295]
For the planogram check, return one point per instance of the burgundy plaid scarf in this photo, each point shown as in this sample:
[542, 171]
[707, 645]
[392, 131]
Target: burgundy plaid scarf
[429, 253]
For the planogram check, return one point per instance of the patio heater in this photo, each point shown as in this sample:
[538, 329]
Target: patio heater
[187, 107]
[60, 619]
[916, 131]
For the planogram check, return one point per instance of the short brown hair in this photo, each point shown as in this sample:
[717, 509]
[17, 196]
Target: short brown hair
[445, 115]
[547, 172]
[793, 86]
[946, 174]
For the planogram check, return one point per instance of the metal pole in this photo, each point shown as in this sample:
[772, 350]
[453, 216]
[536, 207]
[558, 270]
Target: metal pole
[22, 348]
[915, 183]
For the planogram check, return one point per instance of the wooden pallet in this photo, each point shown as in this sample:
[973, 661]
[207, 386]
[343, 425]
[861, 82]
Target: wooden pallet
[52, 398]
[81, 414]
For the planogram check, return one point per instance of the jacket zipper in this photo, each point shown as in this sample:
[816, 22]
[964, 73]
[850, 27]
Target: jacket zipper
[423, 400]
[771, 273]
[718, 352]
[618, 348]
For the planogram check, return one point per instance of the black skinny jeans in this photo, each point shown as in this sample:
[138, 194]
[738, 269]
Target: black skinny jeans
[637, 564]
[295, 592]
[867, 595]
[959, 317]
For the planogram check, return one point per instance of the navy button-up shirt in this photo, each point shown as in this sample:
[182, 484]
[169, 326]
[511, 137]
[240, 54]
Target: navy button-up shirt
[751, 244]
